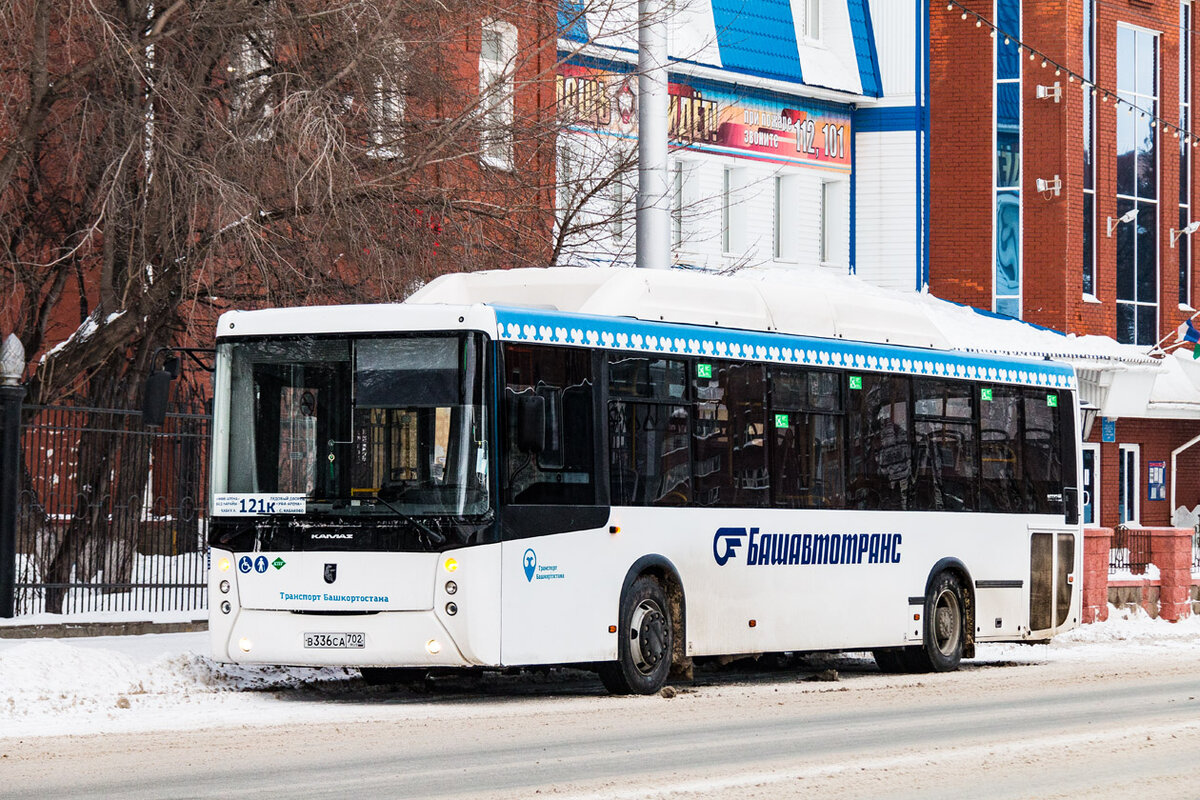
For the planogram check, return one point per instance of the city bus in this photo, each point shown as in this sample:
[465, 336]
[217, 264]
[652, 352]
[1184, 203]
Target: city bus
[628, 470]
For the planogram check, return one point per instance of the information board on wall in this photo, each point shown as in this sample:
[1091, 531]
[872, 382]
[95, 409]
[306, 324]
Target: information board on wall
[790, 131]
[1156, 480]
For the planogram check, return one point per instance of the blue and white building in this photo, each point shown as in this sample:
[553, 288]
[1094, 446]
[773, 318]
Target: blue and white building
[798, 135]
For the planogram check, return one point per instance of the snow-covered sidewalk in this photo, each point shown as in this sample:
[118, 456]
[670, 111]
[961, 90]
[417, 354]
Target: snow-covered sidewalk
[166, 681]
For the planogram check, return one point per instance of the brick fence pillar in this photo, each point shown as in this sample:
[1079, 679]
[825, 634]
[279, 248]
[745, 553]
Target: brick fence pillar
[1171, 552]
[1096, 542]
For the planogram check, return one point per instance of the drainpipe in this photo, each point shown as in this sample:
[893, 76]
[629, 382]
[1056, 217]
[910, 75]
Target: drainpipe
[1174, 459]
[653, 210]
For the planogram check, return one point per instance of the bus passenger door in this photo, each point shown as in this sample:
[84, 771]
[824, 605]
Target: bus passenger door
[1053, 582]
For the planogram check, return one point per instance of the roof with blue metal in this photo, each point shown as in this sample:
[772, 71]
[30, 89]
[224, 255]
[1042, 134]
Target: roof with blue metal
[758, 37]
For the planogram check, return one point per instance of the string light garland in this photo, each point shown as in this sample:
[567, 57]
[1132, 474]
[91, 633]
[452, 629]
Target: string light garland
[1072, 76]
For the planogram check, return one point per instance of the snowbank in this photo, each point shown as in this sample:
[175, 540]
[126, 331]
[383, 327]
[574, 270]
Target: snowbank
[165, 682]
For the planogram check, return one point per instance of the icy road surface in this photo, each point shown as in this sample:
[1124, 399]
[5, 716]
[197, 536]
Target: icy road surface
[1106, 711]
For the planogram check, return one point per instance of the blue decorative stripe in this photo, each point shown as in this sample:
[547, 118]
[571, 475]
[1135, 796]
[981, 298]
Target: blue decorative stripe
[864, 47]
[889, 119]
[664, 338]
[758, 37]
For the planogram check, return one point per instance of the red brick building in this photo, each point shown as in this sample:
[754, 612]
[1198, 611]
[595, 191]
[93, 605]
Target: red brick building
[1050, 124]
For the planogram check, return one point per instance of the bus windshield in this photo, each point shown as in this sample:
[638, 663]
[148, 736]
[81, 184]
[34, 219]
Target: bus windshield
[361, 426]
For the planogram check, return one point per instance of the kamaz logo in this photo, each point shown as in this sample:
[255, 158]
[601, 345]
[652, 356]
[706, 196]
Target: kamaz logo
[806, 548]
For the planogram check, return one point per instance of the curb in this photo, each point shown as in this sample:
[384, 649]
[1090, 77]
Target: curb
[72, 630]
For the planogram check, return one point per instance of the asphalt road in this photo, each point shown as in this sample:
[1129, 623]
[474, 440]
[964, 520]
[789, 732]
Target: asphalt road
[1097, 729]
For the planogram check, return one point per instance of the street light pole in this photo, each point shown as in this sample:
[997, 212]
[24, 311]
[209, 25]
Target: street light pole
[12, 393]
[653, 208]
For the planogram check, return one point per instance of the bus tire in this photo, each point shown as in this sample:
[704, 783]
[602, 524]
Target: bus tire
[646, 638]
[945, 630]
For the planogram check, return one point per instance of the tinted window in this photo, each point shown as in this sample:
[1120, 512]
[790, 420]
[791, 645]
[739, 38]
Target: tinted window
[730, 456]
[563, 473]
[648, 447]
[947, 460]
[1042, 455]
[1000, 449]
[879, 442]
[808, 449]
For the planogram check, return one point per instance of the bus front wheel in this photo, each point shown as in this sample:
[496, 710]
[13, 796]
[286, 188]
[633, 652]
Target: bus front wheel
[646, 638]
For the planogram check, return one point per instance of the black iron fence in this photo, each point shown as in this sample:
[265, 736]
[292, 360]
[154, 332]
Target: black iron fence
[110, 516]
[1129, 551]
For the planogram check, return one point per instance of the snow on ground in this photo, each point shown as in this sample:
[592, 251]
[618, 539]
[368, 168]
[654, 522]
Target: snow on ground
[167, 682]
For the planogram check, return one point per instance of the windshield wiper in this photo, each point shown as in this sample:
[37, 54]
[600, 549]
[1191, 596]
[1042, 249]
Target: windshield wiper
[434, 536]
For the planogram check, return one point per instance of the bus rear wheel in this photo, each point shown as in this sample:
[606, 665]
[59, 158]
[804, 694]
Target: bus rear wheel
[646, 638]
[944, 626]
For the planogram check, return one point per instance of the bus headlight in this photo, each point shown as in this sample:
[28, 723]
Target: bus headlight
[223, 565]
[225, 607]
[451, 587]
[451, 608]
[224, 587]
[433, 647]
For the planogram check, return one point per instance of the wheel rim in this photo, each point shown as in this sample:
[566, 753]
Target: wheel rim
[648, 634]
[947, 623]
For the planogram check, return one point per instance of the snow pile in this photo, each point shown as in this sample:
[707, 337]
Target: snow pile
[1129, 632]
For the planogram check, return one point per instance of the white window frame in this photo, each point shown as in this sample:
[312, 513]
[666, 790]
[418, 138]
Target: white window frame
[1094, 449]
[497, 104]
[386, 110]
[1129, 480]
[249, 59]
[812, 20]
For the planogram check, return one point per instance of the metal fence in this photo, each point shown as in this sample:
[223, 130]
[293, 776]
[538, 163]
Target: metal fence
[1196, 551]
[1129, 551]
[111, 512]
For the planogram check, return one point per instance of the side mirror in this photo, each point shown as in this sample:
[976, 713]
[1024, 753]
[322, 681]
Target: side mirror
[157, 391]
[531, 423]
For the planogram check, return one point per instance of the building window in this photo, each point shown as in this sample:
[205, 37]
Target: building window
[787, 200]
[1006, 287]
[726, 211]
[1128, 458]
[677, 206]
[1185, 151]
[498, 49]
[386, 107]
[826, 220]
[1089, 150]
[812, 20]
[1137, 186]
[250, 71]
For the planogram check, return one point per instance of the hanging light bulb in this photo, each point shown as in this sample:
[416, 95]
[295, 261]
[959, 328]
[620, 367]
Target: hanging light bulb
[1044, 62]
[949, 6]
[1105, 98]
[992, 33]
[978, 22]
[964, 15]
[1057, 71]
[1070, 77]
[1006, 41]
[1032, 55]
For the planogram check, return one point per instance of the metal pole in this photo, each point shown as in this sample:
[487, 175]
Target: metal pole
[653, 200]
[10, 485]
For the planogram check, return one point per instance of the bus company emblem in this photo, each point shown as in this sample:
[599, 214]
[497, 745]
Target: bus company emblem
[805, 549]
[530, 562]
[725, 544]
[330, 573]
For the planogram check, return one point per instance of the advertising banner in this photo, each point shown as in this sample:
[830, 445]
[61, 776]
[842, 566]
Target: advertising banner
[708, 118]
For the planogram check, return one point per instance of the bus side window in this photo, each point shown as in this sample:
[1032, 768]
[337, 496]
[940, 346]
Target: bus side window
[648, 427]
[728, 429]
[1042, 474]
[880, 472]
[1000, 450]
[808, 439]
[945, 439]
[563, 472]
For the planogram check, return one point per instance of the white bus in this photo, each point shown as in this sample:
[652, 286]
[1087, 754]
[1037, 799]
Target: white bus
[627, 470]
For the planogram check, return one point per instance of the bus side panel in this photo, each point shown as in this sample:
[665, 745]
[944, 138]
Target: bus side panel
[559, 595]
[475, 627]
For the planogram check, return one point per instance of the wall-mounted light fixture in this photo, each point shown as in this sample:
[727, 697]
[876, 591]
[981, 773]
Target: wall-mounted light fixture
[1188, 230]
[1128, 216]
[1053, 185]
[1051, 92]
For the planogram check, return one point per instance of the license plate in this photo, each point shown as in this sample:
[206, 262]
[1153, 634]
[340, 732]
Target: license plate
[321, 641]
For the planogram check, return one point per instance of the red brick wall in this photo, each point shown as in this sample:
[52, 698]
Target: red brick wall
[961, 173]
[1157, 439]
